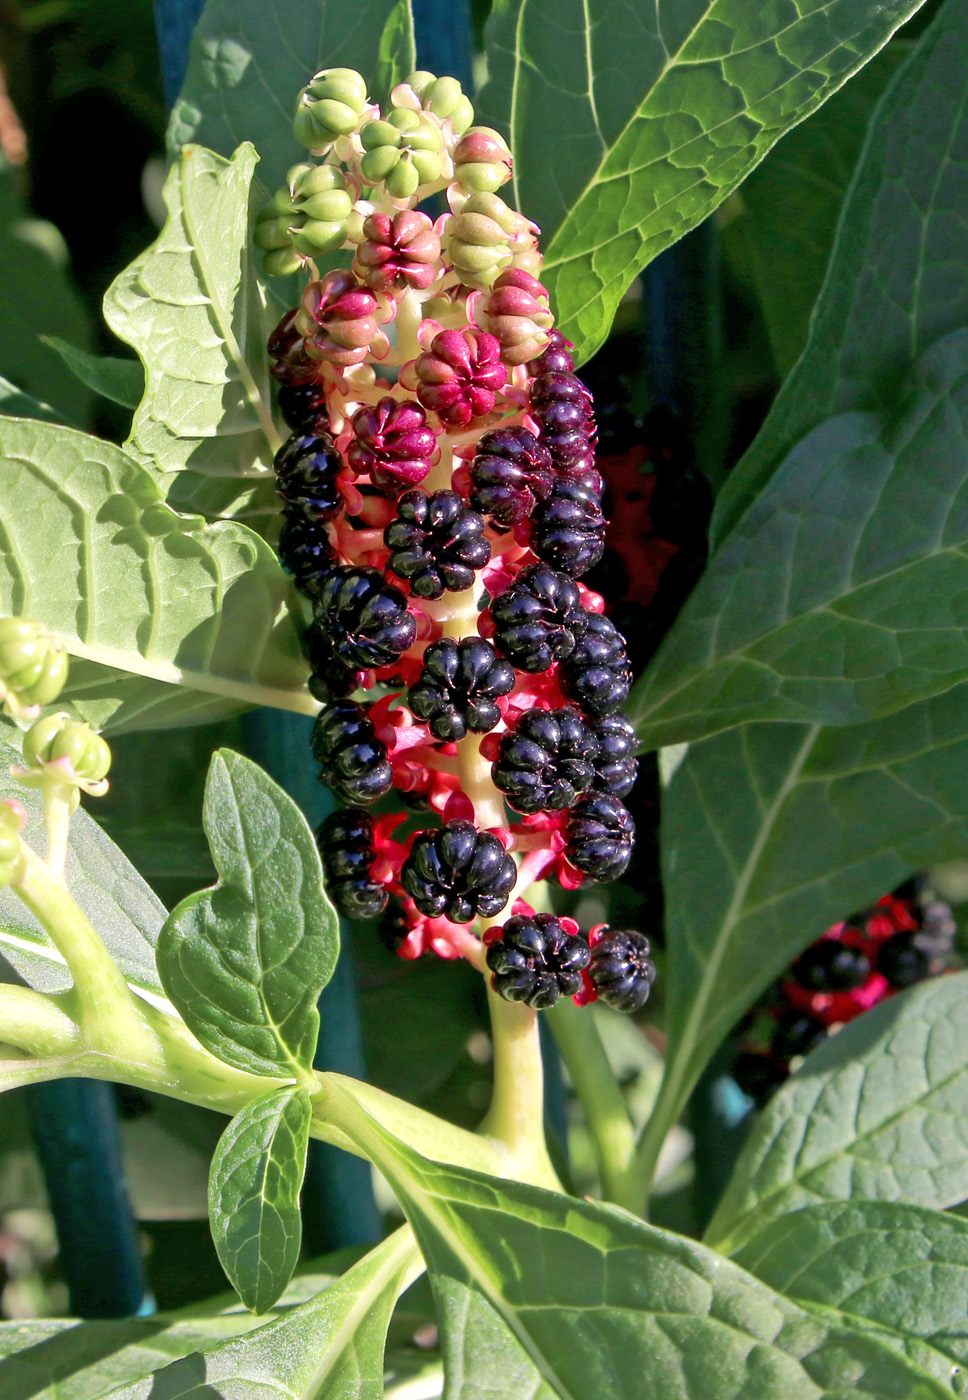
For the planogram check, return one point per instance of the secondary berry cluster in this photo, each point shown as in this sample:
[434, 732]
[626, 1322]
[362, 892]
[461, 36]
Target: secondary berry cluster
[441, 503]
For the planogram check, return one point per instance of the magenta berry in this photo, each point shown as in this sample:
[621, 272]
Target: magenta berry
[399, 252]
[510, 473]
[392, 444]
[459, 378]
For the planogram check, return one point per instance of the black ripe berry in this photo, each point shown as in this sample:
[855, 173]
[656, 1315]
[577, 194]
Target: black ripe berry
[596, 674]
[902, 961]
[305, 550]
[364, 619]
[353, 760]
[562, 407]
[307, 467]
[437, 542]
[616, 766]
[797, 1033]
[545, 761]
[458, 687]
[509, 475]
[568, 529]
[830, 966]
[458, 871]
[599, 834]
[536, 961]
[345, 842]
[302, 405]
[621, 970]
[555, 356]
[538, 619]
[758, 1075]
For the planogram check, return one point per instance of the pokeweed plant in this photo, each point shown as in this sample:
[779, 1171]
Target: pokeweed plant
[433, 451]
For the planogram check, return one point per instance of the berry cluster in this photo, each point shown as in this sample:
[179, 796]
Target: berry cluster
[904, 938]
[441, 503]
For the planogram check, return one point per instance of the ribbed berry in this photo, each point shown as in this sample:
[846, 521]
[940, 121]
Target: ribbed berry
[437, 542]
[393, 928]
[536, 961]
[510, 473]
[568, 529]
[538, 619]
[458, 687]
[797, 1033]
[562, 407]
[307, 466]
[596, 674]
[363, 617]
[301, 405]
[392, 443]
[616, 766]
[329, 678]
[620, 969]
[353, 760]
[458, 871]
[902, 961]
[459, 377]
[554, 357]
[287, 348]
[345, 842]
[545, 761]
[305, 550]
[599, 835]
[830, 966]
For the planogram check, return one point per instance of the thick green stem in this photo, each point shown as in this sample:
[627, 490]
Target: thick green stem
[32, 1022]
[516, 1115]
[606, 1115]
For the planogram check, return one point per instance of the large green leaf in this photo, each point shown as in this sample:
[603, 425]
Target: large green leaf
[91, 550]
[192, 307]
[544, 1296]
[842, 595]
[879, 1112]
[894, 285]
[245, 962]
[630, 124]
[249, 58]
[117, 702]
[257, 1174]
[902, 1269]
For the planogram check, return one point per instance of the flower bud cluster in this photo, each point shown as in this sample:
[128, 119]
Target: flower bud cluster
[440, 505]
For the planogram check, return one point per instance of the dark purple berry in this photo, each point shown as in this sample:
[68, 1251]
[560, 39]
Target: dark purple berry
[555, 356]
[902, 961]
[759, 1076]
[510, 473]
[568, 529]
[437, 542]
[307, 466]
[364, 618]
[459, 872]
[329, 678]
[830, 966]
[458, 686]
[536, 961]
[616, 766]
[301, 405]
[393, 928]
[597, 675]
[538, 619]
[621, 971]
[545, 761]
[345, 842]
[353, 760]
[797, 1033]
[562, 407]
[599, 835]
[305, 550]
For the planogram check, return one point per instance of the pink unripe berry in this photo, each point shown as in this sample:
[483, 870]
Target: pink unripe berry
[399, 252]
[340, 319]
[517, 314]
[461, 375]
[393, 444]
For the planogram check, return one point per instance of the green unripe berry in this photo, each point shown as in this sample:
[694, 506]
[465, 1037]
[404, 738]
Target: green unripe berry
[282, 262]
[377, 134]
[59, 737]
[271, 229]
[462, 116]
[377, 164]
[33, 669]
[329, 106]
[308, 217]
[420, 81]
[318, 236]
[404, 179]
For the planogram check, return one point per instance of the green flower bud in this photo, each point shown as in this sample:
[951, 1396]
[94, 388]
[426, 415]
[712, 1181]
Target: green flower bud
[56, 738]
[11, 851]
[329, 106]
[33, 669]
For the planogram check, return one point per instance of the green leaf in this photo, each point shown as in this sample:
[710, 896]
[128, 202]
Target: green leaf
[842, 595]
[117, 702]
[249, 59]
[879, 1112]
[398, 52]
[253, 1194]
[542, 1295]
[121, 381]
[245, 962]
[771, 833]
[192, 307]
[902, 1269]
[133, 586]
[16, 404]
[889, 292]
[631, 124]
[793, 198]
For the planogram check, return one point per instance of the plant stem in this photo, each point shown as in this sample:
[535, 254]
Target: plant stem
[58, 808]
[32, 1022]
[611, 1128]
[516, 1114]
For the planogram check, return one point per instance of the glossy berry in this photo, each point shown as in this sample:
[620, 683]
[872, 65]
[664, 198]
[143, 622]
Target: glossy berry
[615, 763]
[831, 966]
[345, 842]
[307, 466]
[510, 473]
[902, 961]
[538, 619]
[545, 761]
[458, 871]
[620, 969]
[568, 529]
[596, 674]
[599, 833]
[291, 364]
[353, 760]
[797, 1033]
[536, 961]
[554, 357]
[392, 443]
[364, 618]
[330, 679]
[562, 407]
[436, 542]
[305, 550]
[393, 928]
[458, 687]
[301, 405]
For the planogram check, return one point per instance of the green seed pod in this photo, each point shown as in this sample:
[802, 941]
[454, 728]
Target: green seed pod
[404, 179]
[377, 164]
[33, 669]
[57, 737]
[282, 262]
[329, 106]
[11, 851]
[308, 217]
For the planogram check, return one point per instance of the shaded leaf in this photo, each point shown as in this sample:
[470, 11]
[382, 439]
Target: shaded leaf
[17, 404]
[630, 124]
[245, 962]
[253, 1194]
[121, 381]
[129, 584]
[897, 280]
[879, 1112]
[842, 595]
[117, 702]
